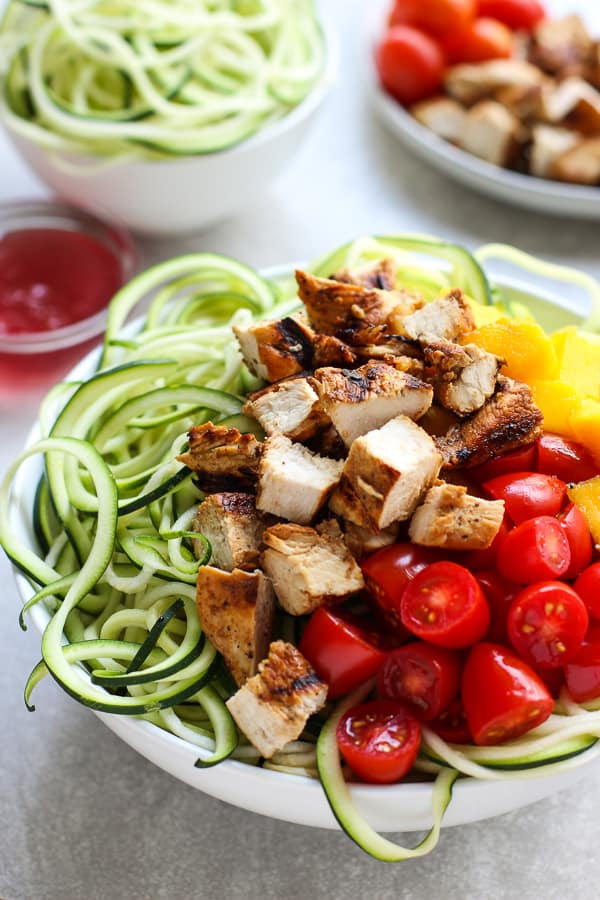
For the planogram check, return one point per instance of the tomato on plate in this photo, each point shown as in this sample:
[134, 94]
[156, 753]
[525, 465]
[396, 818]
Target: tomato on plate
[423, 677]
[410, 64]
[520, 460]
[451, 724]
[522, 15]
[342, 654]
[503, 697]
[479, 41]
[567, 459]
[582, 673]
[547, 623]
[379, 740]
[499, 593]
[435, 16]
[476, 560]
[580, 540]
[587, 587]
[535, 550]
[444, 604]
[527, 494]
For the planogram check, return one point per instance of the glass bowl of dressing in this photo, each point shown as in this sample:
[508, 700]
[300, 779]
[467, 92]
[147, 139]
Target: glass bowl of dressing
[59, 268]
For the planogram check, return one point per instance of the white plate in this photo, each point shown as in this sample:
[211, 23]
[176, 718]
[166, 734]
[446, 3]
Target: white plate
[292, 798]
[527, 191]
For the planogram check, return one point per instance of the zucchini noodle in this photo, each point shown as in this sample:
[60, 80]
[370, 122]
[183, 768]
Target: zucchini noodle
[155, 77]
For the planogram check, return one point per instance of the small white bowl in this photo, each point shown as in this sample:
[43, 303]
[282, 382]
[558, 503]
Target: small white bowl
[169, 197]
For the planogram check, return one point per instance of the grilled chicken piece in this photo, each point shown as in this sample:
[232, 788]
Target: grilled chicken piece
[470, 83]
[574, 100]
[581, 164]
[491, 132]
[561, 46]
[362, 541]
[233, 527]
[523, 101]
[379, 274]
[222, 458]
[360, 400]
[328, 443]
[386, 474]
[446, 319]
[547, 146]
[442, 115]
[463, 376]
[273, 707]
[452, 519]
[506, 421]
[293, 482]
[330, 351]
[290, 407]
[309, 567]
[236, 611]
[276, 350]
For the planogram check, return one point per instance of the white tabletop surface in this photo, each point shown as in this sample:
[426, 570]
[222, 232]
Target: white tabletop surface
[81, 814]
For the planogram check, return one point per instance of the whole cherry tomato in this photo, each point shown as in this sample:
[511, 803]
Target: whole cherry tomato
[588, 588]
[527, 494]
[567, 459]
[521, 460]
[536, 550]
[410, 64]
[423, 677]
[435, 16]
[444, 604]
[502, 696]
[499, 593]
[582, 673]
[451, 724]
[379, 740]
[522, 15]
[483, 39]
[580, 540]
[547, 623]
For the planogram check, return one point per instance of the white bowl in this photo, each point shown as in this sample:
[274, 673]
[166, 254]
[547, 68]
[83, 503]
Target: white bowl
[293, 798]
[169, 197]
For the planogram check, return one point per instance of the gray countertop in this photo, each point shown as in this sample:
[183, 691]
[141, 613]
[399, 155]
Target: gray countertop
[84, 816]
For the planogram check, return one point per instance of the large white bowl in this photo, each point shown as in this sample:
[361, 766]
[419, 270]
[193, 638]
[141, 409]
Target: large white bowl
[170, 197]
[293, 798]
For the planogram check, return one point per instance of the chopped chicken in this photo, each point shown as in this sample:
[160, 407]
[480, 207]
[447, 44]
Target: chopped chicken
[328, 443]
[222, 458]
[386, 474]
[276, 350]
[491, 132]
[236, 611]
[233, 527]
[523, 101]
[470, 83]
[561, 46]
[581, 164]
[362, 541]
[446, 319]
[330, 351]
[437, 420]
[359, 400]
[400, 352]
[452, 519]
[294, 483]
[442, 115]
[572, 97]
[548, 144]
[463, 376]
[506, 421]
[290, 407]
[379, 274]
[309, 567]
[273, 707]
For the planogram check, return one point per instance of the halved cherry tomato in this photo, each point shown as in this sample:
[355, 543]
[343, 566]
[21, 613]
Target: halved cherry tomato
[476, 560]
[587, 587]
[499, 593]
[521, 460]
[483, 39]
[502, 696]
[521, 15]
[582, 673]
[566, 459]
[444, 604]
[410, 64]
[341, 654]
[554, 679]
[422, 677]
[580, 540]
[452, 725]
[547, 623]
[527, 494]
[435, 16]
[535, 550]
[379, 740]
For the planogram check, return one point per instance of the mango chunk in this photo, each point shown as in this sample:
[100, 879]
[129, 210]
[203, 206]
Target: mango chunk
[586, 495]
[529, 353]
[578, 360]
[557, 401]
[585, 422]
[484, 314]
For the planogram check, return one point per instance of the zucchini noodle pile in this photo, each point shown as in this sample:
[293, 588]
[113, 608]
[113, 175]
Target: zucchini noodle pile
[113, 573]
[155, 77]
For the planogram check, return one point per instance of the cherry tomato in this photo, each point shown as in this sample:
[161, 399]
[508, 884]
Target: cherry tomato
[387, 572]
[554, 679]
[502, 696]
[444, 604]
[588, 588]
[566, 459]
[379, 740]
[341, 654]
[547, 623]
[483, 39]
[422, 677]
[452, 725]
[522, 15]
[477, 560]
[580, 540]
[527, 494]
[435, 16]
[535, 550]
[582, 673]
[521, 460]
[499, 593]
[410, 64]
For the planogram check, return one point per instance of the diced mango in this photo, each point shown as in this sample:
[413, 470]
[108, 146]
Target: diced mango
[484, 314]
[557, 401]
[586, 495]
[529, 353]
[578, 360]
[585, 422]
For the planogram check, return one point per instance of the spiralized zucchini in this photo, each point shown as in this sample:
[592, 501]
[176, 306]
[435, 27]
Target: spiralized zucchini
[155, 77]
